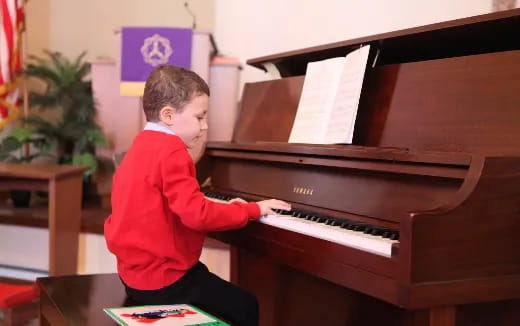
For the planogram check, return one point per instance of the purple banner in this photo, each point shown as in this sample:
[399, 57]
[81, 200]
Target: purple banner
[144, 48]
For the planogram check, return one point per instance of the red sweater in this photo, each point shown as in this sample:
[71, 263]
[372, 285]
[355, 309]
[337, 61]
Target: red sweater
[159, 216]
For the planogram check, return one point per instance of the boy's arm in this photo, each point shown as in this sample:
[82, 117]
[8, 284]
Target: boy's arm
[184, 198]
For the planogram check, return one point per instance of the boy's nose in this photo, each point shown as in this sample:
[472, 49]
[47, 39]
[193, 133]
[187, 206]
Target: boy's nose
[204, 126]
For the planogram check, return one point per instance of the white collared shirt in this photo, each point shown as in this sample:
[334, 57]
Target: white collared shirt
[154, 126]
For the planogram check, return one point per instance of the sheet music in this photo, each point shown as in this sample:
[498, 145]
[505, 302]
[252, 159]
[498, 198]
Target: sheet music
[341, 122]
[272, 70]
[330, 96]
[319, 89]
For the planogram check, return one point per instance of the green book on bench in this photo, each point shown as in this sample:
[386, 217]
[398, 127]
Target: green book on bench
[165, 315]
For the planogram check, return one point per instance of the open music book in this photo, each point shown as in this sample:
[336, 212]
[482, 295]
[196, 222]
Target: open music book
[167, 315]
[330, 96]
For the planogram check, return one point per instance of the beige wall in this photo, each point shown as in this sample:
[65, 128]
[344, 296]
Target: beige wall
[249, 29]
[38, 27]
[72, 26]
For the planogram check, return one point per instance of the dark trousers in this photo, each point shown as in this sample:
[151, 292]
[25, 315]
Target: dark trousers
[204, 290]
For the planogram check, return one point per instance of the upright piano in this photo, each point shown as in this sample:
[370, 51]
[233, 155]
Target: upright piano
[417, 222]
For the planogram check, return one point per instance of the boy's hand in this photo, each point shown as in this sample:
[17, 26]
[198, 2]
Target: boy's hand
[267, 206]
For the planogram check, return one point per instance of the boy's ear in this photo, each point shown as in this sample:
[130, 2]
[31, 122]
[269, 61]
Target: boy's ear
[167, 115]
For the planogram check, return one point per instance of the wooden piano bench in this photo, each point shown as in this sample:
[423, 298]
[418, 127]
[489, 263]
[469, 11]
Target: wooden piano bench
[18, 303]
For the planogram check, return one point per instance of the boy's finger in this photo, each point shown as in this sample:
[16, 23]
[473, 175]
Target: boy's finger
[279, 202]
[282, 205]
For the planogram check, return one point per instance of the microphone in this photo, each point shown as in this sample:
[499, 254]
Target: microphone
[194, 25]
[215, 52]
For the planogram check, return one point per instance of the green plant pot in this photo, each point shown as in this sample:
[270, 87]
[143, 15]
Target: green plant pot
[20, 198]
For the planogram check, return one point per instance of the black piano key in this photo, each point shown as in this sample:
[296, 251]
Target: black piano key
[335, 221]
[394, 235]
[369, 229]
[345, 224]
[330, 222]
[376, 230]
[359, 227]
[348, 225]
[355, 226]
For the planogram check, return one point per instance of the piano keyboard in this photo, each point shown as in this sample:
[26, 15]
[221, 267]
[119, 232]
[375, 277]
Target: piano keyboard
[362, 236]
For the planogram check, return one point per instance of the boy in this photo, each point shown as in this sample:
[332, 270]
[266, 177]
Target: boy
[159, 216]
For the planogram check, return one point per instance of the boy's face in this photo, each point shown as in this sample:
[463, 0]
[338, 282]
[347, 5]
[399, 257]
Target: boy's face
[191, 122]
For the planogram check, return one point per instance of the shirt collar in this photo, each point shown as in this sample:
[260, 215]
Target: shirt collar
[154, 126]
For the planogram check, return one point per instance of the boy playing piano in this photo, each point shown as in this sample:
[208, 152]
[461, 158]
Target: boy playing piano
[159, 216]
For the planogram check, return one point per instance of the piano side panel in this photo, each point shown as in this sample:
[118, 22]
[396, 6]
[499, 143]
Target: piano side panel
[468, 104]
[475, 237]
[385, 196]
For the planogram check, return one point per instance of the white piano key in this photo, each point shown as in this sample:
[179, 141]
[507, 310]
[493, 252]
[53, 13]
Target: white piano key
[336, 234]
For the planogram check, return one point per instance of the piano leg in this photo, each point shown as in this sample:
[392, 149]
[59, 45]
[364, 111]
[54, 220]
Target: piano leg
[443, 316]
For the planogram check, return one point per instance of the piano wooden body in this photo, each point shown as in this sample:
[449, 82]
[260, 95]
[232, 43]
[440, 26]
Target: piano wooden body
[435, 161]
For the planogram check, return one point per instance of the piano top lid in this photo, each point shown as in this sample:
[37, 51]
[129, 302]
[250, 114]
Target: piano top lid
[346, 151]
[473, 35]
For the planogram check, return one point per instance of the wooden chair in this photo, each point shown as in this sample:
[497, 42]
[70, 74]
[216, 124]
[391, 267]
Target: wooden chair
[18, 303]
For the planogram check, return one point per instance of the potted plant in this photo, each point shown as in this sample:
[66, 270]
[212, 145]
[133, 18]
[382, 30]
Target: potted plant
[68, 89]
[23, 145]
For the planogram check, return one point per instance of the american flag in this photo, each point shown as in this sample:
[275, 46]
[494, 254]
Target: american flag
[12, 24]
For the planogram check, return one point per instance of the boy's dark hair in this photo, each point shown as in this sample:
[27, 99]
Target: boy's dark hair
[170, 86]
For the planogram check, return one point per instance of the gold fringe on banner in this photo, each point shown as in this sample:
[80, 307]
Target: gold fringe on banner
[13, 114]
